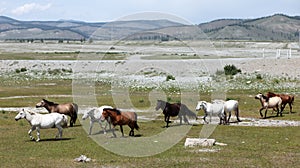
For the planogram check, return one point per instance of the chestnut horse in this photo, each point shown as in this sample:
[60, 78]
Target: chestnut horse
[121, 118]
[69, 109]
[286, 99]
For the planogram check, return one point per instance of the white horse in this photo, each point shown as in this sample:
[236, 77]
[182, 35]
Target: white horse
[41, 121]
[212, 109]
[230, 105]
[95, 115]
[272, 102]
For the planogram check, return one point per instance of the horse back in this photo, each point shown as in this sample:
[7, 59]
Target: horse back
[274, 101]
[50, 120]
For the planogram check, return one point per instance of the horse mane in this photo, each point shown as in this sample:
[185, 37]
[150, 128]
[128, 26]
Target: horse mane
[271, 94]
[49, 102]
[265, 97]
[114, 110]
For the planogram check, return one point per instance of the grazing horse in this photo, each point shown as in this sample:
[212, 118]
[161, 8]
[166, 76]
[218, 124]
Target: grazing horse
[172, 110]
[230, 105]
[41, 121]
[272, 102]
[69, 109]
[286, 99]
[95, 115]
[212, 109]
[121, 118]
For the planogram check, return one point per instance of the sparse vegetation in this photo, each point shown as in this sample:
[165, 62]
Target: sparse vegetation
[231, 70]
[170, 77]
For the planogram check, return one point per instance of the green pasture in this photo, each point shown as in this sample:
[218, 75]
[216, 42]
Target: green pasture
[247, 146]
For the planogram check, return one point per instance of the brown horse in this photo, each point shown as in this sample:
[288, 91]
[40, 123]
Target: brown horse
[172, 110]
[121, 118]
[286, 99]
[69, 109]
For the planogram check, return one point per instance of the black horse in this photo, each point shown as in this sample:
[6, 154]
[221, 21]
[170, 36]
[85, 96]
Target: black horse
[176, 109]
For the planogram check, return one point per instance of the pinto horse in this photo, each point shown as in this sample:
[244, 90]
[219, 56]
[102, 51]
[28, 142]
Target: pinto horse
[121, 118]
[273, 102]
[69, 109]
[172, 110]
[286, 99]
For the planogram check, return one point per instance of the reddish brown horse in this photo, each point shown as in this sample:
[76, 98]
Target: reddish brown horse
[69, 109]
[121, 118]
[286, 99]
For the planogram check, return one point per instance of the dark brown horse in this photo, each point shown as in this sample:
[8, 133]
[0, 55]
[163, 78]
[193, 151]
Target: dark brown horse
[176, 109]
[121, 118]
[286, 99]
[69, 109]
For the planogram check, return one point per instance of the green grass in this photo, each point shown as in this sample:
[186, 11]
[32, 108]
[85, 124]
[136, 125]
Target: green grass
[247, 147]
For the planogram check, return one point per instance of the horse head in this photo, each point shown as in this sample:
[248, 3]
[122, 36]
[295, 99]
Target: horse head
[87, 114]
[20, 115]
[41, 103]
[160, 104]
[200, 105]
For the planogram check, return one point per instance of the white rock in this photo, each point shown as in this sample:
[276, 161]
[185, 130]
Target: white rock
[190, 142]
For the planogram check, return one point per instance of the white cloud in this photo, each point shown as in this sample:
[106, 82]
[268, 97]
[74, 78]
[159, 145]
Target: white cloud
[29, 7]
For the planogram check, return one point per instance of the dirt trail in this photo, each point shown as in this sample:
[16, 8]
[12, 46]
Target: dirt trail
[255, 122]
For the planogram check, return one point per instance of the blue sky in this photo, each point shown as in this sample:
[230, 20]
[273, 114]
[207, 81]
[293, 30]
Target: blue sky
[194, 11]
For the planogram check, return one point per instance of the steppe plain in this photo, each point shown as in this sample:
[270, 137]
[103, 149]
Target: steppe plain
[31, 71]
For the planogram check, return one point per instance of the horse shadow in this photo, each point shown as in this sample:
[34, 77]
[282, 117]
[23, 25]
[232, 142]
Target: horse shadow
[273, 116]
[53, 139]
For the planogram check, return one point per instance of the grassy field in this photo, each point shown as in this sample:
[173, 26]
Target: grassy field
[247, 146]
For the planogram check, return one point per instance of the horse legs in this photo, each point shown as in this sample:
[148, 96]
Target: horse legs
[229, 115]
[121, 128]
[91, 127]
[29, 132]
[204, 118]
[266, 113]
[167, 120]
[290, 104]
[71, 120]
[260, 111]
[38, 134]
[283, 106]
[237, 113]
[60, 129]
[103, 128]
[186, 120]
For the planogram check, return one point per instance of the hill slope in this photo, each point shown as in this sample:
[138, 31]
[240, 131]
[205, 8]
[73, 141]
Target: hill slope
[276, 28]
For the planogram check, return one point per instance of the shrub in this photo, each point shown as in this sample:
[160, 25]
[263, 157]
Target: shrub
[231, 70]
[259, 77]
[170, 77]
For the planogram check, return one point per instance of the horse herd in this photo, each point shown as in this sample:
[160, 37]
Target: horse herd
[57, 116]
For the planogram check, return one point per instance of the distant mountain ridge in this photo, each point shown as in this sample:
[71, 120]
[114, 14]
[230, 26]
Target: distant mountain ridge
[277, 27]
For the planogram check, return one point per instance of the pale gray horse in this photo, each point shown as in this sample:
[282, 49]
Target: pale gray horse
[230, 105]
[95, 115]
[212, 110]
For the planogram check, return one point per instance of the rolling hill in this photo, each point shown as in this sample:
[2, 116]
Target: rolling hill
[277, 27]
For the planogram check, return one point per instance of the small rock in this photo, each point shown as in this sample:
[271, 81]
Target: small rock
[82, 158]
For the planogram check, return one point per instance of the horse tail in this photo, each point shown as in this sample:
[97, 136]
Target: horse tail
[64, 121]
[292, 101]
[135, 122]
[136, 126]
[75, 111]
[189, 112]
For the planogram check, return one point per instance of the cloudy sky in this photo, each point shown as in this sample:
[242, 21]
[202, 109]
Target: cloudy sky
[194, 11]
